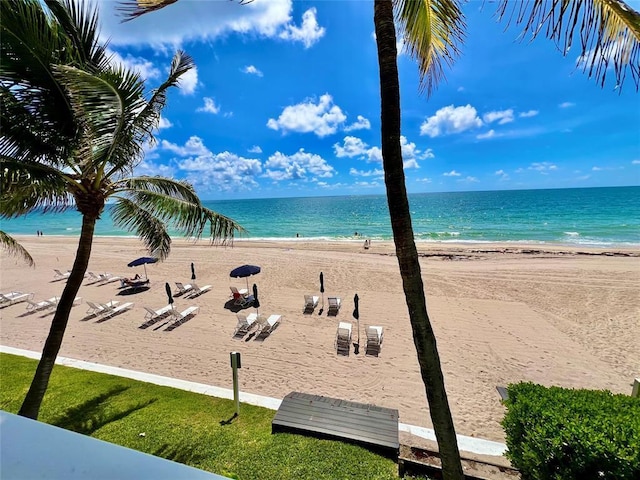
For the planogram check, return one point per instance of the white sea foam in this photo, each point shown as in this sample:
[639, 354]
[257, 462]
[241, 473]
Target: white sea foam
[572, 234]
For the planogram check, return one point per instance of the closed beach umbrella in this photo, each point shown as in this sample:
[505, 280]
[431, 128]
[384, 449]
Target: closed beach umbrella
[167, 287]
[256, 302]
[142, 261]
[193, 272]
[322, 290]
[356, 315]
[245, 271]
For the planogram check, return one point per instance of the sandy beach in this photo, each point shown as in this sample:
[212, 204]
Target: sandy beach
[502, 313]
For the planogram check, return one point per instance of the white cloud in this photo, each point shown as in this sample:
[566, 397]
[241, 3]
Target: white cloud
[210, 171]
[209, 106]
[528, 113]
[543, 167]
[144, 67]
[185, 22]
[251, 70]
[502, 174]
[483, 136]
[361, 124]
[635, 162]
[188, 82]
[502, 116]
[597, 169]
[376, 172]
[583, 177]
[355, 147]
[469, 179]
[309, 33]
[297, 166]
[147, 167]
[450, 120]
[352, 147]
[566, 105]
[255, 149]
[164, 123]
[322, 118]
[452, 173]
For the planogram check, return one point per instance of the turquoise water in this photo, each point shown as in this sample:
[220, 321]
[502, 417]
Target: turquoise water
[590, 216]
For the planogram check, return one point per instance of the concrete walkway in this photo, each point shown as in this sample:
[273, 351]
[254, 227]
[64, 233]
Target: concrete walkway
[468, 444]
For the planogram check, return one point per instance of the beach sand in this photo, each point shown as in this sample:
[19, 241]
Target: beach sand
[501, 314]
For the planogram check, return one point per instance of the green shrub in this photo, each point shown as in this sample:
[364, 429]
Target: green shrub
[562, 434]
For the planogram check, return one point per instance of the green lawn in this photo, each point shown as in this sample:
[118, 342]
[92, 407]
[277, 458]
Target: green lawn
[185, 427]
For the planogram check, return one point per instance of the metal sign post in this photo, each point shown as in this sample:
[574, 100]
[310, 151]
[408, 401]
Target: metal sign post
[235, 365]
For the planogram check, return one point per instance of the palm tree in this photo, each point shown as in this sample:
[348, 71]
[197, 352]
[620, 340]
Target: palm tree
[73, 131]
[14, 248]
[610, 34]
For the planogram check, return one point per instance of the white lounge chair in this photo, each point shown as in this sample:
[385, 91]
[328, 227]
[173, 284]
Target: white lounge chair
[110, 311]
[11, 298]
[108, 278]
[196, 291]
[268, 326]
[245, 323]
[374, 341]
[59, 275]
[153, 314]
[98, 308]
[43, 305]
[343, 338]
[93, 278]
[310, 303]
[182, 289]
[179, 316]
[334, 305]
[235, 291]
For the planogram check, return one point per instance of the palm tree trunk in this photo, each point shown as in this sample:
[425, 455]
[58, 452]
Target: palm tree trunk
[31, 404]
[406, 251]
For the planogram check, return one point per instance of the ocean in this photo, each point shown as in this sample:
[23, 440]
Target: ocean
[597, 217]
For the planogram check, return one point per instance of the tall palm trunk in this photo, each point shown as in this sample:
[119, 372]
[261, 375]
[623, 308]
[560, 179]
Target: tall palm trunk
[31, 404]
[406, 251]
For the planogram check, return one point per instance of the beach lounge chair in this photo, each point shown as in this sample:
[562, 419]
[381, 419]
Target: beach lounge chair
[110, 311]
[182, 289]
[245, 323]
[240, 300]
[12, 298]
[343, 338]
[310, 303]
[98, 308]
[43, 305]
[178, 317]
[267, 326]
[93, 278]
[235, 291]
[374, 341]
[59, 275]
[334, 305]
[108, 278]
[153, 314]
[196, 291]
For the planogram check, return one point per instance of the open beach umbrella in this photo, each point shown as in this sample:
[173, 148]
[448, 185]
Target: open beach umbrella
[245, 271]
[193, 272]
[322, 292]
[356, 315]
[256, 302]
[142, 261]
[168, 289]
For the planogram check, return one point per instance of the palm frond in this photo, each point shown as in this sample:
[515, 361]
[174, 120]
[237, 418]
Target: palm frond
[432, 31]
[608, 31]
[131, 9]
[151, 230]
[14, 248]
[147, 120]
[176, 203]
[26, 186]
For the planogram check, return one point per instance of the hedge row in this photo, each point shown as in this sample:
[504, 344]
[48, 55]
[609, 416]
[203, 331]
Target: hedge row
[561, 434]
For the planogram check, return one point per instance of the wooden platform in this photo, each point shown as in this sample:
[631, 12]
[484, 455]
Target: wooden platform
[361, 423]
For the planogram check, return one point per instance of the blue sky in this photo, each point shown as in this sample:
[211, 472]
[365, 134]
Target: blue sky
[285, 103]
